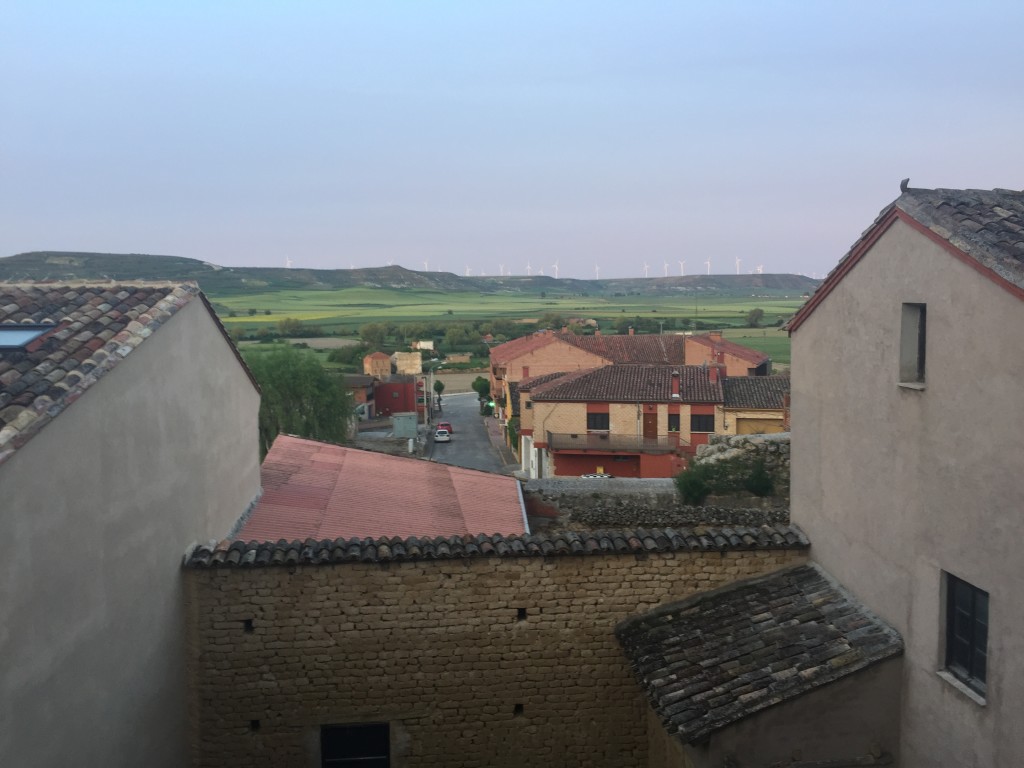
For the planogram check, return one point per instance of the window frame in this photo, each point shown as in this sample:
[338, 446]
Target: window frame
[678, 422]
[694, 422]
[604, 418]
[913, 344]
[965, 658]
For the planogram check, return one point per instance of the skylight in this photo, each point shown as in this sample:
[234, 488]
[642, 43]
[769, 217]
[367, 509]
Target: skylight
[19, 336]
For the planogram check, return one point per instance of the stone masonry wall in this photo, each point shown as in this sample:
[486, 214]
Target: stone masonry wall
[489, 662]
[773, 449]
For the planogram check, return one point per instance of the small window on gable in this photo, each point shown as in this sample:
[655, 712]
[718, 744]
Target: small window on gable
[912, 343]
[598, 422]
[20, 335]
[966, 633]
[367, 745]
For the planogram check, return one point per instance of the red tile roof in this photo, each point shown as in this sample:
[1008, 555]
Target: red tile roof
[653, 349]
[510, 350]
[730, 348]
[322, 491]
[630, 384]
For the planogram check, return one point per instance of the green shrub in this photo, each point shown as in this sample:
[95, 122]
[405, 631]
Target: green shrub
[694, 484]
[759, 482]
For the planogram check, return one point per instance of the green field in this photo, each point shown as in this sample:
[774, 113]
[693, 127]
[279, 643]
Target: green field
[343, 311]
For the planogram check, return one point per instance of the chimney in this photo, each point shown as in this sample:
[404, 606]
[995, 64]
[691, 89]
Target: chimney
[715, 335]
[675, 384]
[713, 374]
[597, 332]
[565, 329]
[631, 330]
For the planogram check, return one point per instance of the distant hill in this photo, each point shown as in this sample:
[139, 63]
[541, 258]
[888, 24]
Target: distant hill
[59, 266]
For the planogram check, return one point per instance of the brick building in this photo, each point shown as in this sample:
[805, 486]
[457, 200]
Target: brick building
[738, 360]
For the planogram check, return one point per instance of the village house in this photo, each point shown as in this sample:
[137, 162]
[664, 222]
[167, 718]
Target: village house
[906, 470]
[754, 405]
[377, 364]
[128, 429]
[622, 420]
[712, 348]
[363, 398]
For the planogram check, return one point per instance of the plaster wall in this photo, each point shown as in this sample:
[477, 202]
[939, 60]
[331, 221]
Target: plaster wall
[498, 661]
[98, 509]
[895, 485]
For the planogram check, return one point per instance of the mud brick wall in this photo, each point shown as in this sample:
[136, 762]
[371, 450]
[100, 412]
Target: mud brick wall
[490, 662]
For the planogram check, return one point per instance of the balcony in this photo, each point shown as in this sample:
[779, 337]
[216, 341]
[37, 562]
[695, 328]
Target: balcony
[609, 443]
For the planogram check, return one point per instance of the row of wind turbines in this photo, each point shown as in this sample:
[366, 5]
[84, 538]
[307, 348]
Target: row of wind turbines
[597, 269]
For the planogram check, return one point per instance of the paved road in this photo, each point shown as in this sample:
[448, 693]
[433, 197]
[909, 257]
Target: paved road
[471, 445]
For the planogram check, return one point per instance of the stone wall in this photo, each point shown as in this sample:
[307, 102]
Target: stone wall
[479, 661]
[773, 449]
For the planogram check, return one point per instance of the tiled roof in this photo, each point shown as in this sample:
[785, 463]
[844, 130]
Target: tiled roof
[95, 327]
[632, 383]
[510, 350]
[353, 380]
[652, 349]
[531, 382]
[755, 392]
[378, 356]
[718, 657]
[985, 226]
[317, 490]
[565, 543]
[753, 356]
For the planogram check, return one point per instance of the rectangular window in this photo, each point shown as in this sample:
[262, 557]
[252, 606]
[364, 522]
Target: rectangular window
[701, 423]
[599, 422]
[367, 745]
[673, 422]
[966, 632]
[912, 343]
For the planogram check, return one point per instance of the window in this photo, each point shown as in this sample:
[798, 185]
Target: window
[367, 745]
[673, 422]
[598, 421]
[912, 343]
[700, 423]
[20, 335]
[529, 405]
[966, 632]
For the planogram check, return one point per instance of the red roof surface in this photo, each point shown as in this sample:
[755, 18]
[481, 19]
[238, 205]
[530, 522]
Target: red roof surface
[510, 350]
[321, 491]
[730, 348]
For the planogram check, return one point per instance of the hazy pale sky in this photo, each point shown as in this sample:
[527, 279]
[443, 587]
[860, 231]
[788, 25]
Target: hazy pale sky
[496, 135]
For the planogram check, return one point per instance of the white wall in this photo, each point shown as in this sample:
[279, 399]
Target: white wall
[893, 485]
[96, 512]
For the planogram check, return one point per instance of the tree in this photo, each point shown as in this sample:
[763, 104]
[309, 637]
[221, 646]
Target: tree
[754, 317]
[299, 398]
[482, 387]
[439, 387]
[373, 334]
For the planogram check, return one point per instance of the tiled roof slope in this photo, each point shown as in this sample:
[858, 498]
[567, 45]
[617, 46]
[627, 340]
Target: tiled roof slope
[651, 349]
[632, 383]
[718, 657]
[317, 490]
[753, 356]
[565, 543]
[94, 328]
[986, 226]
[510, 350]
[755, 392]
[531, 382]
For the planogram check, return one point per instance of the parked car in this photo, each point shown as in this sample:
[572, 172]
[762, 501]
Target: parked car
[446, 425]
[442, 436]
[593, 475]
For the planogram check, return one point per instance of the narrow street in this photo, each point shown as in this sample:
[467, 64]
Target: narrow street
[475, 440]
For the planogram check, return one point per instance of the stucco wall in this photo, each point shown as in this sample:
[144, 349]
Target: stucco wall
[439, 650]
[97, 510]
[894, 486]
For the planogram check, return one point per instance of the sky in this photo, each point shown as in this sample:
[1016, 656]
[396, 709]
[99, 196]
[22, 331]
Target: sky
[611, 139]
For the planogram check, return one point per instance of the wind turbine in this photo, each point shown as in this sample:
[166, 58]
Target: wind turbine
[682, 267]
[737, 265]
[555, 267]
[529, 270]
[646, 269]
[425, 268]
[597, 271]
[760, 268]
[468, 270]
[540, 271]
[287, 262]
[501, 270]
[708, 262]
[666, 269]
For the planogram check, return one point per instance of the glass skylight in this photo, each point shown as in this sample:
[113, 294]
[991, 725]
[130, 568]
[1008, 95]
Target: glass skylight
[18, 336]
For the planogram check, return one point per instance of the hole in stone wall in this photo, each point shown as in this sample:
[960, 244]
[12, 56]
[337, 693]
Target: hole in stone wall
[520, 614]
[517, 710]
[254, 725]
[247, 625]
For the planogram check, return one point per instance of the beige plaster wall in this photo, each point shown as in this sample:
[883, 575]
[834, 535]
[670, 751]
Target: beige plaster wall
[97, 510]
[894, 485]
[437, 649]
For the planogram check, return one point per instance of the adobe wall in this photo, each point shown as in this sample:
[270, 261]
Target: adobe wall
[484, 661]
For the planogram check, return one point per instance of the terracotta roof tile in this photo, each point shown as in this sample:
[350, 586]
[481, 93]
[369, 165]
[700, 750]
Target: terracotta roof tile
[510, 350]
[755, 392]
[715, 658]
[631, 383]
[650, 349]
[753, 356]
[564, 543]
[317, 490]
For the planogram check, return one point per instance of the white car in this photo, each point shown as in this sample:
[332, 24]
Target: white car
[442, 436]
[596, 475]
